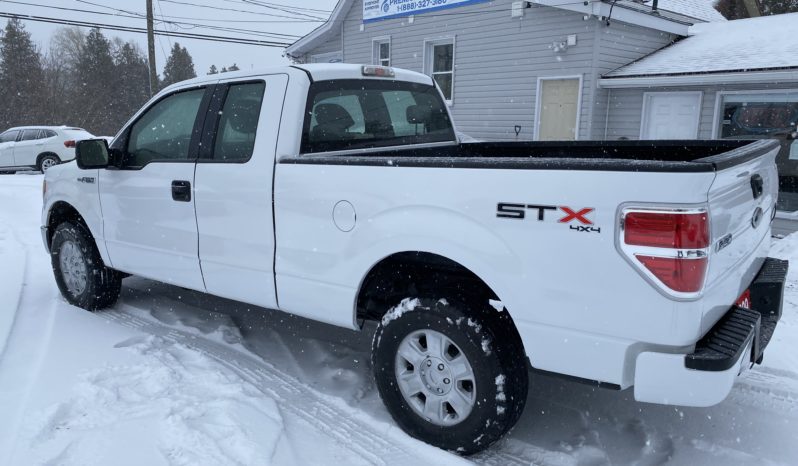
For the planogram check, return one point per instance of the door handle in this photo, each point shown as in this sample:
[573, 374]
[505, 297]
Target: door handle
[181, 191]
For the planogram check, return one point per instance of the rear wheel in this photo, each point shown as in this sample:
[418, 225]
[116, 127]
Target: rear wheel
[80, 273]
[48, 161]
[450, 374]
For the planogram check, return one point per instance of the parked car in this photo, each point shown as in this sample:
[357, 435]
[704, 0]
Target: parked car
[38, 147]
[342, 194]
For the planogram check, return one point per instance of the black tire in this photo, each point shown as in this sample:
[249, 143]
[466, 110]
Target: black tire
[493, 348]
[102, 284]
[48, 157]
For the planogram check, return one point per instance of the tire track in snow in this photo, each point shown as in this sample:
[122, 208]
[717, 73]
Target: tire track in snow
[388, 447]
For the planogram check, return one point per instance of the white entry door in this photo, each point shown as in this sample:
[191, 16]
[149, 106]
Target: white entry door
[670, 115]
[558, 108]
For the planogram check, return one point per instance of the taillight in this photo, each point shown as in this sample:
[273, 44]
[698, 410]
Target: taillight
[669, 247]
[666, 230]
[69, 143]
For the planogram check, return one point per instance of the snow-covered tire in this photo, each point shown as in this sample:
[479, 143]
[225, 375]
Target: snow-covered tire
[79, 271]
[493, 352]
[47, 161]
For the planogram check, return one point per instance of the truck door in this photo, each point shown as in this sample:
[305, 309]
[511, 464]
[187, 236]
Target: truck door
[148, 203]
[234, 189]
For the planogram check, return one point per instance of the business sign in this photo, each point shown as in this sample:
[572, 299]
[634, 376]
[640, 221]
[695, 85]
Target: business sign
[375, 10]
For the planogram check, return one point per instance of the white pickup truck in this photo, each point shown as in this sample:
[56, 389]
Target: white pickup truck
[342, 194]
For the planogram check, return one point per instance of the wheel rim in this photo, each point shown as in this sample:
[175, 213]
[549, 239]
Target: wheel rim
[73, 267]
[48, 162]
[435, 377]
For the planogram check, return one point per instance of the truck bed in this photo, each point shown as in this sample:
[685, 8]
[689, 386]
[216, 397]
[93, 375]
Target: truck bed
[638, 156]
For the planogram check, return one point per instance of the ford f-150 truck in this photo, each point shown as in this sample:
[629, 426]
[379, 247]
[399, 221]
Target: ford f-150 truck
[342, 193]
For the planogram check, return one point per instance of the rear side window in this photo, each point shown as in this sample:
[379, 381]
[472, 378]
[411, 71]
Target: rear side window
[9, 136]
[30, 135]
[164, 131]
[235, 138]
[358, 114]
[48, 133]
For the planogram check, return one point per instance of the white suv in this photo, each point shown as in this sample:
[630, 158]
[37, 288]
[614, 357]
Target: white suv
[38, 147]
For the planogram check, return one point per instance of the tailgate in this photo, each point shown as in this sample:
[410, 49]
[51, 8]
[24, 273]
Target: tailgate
[742, 201]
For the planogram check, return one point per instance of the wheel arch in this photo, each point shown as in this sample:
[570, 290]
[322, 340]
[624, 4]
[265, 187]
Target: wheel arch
[421, 273]
[45, 154]
[60, 212]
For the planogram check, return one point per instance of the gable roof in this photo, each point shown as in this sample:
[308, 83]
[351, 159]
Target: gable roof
[673, 16]
[748, 45]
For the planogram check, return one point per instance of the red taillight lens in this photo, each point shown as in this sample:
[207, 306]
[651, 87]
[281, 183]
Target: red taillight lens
[667, 230]
[682, 275]
[69, 143]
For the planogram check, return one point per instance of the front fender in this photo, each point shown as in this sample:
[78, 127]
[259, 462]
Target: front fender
[64, 190]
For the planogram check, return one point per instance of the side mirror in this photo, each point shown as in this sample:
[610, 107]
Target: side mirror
[91, 153]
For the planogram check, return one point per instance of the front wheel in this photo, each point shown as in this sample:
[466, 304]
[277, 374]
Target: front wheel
[80, 273]
[450, 374]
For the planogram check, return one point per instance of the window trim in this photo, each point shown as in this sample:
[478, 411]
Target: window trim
[429, 56]
[716, 118]
[18, 131]
[22, 133]
[376, 42]
[213, 118]
[319, 87]
[196, 132]
[538, 101]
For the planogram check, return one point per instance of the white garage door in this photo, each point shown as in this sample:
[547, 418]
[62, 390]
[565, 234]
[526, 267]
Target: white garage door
[670, 115]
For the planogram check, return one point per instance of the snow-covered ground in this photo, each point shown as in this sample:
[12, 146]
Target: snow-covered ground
[170, 376]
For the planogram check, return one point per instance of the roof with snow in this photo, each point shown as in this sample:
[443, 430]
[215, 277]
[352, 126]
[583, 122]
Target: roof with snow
[703, 10]
[745, 45]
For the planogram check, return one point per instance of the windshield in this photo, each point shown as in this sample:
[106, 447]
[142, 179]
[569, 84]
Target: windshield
[358, 114]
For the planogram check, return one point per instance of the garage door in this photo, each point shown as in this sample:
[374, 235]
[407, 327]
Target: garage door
[671, 115]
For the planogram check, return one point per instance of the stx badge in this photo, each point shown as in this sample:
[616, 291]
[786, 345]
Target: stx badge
[577, 216]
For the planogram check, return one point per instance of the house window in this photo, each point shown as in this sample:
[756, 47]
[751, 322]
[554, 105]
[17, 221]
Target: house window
[382, 51]
[440, 65]
[766, 115]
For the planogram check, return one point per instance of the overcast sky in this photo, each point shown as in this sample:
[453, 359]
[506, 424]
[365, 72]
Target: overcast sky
[252, 17]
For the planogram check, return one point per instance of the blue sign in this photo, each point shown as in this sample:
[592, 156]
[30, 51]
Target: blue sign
[375, 10]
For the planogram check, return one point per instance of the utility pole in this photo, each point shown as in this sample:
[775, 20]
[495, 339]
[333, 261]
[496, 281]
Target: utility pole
[151, 50]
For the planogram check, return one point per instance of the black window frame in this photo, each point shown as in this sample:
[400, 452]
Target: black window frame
[317, 87]
[119, 150]
[16, 137]
[213, 117]
[32, 130]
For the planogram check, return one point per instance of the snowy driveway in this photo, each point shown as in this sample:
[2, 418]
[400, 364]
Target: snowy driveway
[170, 376]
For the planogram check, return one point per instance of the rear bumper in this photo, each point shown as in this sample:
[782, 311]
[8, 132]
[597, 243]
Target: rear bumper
[738, 340]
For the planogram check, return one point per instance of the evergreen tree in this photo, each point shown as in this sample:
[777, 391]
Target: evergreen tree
[97, 85]
[21, 77]
[213, 70]
[179, 66]
[132, 89]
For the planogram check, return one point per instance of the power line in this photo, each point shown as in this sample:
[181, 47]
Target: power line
[116, 27]
[284, 10]
[298, 8]
[240, 11]
[185, 25]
